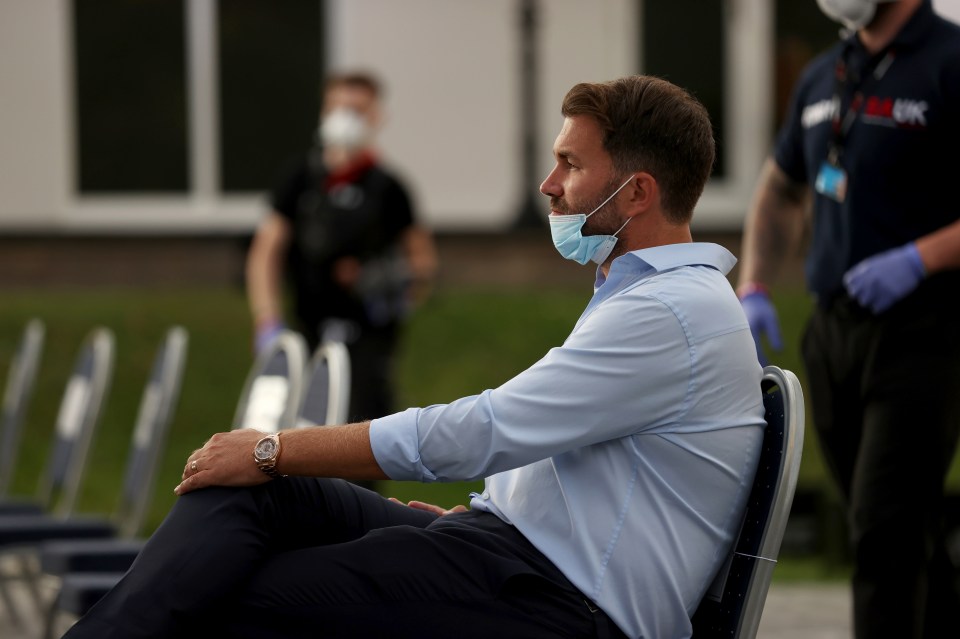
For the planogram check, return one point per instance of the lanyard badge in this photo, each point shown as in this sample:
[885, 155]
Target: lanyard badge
[832, 178]
[831, 181]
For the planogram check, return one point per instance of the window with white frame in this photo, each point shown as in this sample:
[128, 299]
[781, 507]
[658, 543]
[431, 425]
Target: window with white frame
[131, 96]
[208, 95]
[683, 41]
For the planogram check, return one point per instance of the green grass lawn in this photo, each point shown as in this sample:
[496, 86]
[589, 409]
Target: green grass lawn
[460, 342]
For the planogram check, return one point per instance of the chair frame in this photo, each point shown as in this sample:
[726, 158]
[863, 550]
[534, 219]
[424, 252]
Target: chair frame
[77, 419]
[61, 490]
[293, 346]
[335, 355]
[16, 397]
[154, 417]
[288, 343]
[734, 603]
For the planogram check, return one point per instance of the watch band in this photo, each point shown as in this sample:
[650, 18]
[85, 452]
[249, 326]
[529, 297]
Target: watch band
[270, 469]
[268, 464]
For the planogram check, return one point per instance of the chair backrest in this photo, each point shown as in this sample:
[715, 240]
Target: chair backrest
[326, 397]
[271, 394]
[734, 603]
[157, 406]
[16, 398]
[77, 420]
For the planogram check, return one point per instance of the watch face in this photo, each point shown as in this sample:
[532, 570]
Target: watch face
[266, 448]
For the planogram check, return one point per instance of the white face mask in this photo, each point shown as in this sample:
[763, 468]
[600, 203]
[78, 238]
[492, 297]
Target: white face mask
[853, 14]
[344, 128]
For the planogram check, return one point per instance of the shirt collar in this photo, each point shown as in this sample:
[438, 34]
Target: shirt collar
[669, 256]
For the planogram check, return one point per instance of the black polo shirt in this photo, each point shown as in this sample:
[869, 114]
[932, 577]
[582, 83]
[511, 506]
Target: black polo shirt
[901, 153]
[362, 215]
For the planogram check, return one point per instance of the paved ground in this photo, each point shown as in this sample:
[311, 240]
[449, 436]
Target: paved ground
[792, 611]
[802, 611]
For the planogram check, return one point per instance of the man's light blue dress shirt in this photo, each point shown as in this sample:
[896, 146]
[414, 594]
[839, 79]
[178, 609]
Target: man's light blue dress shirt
[624, 455]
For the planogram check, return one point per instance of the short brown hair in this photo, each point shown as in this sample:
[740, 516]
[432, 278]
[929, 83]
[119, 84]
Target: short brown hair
[355, 80]
[653, 126]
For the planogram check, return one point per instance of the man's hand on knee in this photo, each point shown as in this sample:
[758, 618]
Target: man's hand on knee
[225, 460]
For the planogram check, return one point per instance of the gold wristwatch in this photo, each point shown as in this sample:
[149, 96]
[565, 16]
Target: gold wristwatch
[266, 454]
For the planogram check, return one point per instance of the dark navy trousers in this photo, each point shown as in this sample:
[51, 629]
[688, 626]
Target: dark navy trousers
[885, 394]
[304, 557]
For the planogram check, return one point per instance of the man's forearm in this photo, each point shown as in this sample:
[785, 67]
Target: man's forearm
[263, 290]
[264, 269]
[773, 227]
[329, 451]
[940, 250]
[226, 459]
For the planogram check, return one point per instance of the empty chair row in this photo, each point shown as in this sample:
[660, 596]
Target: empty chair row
[51, 515]
[283, 389]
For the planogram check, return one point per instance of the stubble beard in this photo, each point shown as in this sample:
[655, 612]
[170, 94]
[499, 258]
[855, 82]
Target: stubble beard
[603, 222]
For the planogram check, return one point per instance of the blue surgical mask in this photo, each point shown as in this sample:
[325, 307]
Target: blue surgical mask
[573, 245]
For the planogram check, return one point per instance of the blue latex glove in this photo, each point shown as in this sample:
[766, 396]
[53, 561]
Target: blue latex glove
[266, 332]
[881, 280]
[762, 317]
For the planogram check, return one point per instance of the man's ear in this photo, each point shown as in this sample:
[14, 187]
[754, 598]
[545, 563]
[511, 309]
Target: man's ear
[643, 194]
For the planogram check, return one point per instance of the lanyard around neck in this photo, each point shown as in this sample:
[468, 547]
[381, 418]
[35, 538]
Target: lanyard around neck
[843, 84]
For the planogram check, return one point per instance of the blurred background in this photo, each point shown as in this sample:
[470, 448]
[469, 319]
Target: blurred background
[140, 137]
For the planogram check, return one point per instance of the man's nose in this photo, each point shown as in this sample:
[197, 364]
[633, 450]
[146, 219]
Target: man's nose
[551, 187]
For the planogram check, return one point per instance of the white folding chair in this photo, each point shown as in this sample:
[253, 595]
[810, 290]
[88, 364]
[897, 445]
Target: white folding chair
[77, 420]
[270, 400]
[274, 386]
[326, 398]
[78, 416]
[60, 556]
[734, 602]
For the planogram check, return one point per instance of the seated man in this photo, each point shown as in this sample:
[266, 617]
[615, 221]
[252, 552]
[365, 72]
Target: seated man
[617, 467]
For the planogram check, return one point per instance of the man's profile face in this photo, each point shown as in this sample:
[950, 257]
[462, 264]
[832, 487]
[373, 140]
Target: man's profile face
[583, 176]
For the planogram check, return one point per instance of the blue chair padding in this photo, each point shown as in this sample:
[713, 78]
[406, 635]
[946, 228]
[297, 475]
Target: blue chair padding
[16, 398]
[14, 506]
[88, 555]
[80, 591]
[18, 530]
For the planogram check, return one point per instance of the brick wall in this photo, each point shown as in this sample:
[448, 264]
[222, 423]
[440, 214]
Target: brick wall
[517, 258]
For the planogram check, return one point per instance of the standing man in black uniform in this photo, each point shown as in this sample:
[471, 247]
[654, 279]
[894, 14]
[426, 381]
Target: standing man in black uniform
[873, 137]
[343, 228]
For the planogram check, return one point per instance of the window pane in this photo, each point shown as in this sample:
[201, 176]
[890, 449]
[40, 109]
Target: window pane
[683, 42]
[270, 71]
[802, 31]
[131, 95]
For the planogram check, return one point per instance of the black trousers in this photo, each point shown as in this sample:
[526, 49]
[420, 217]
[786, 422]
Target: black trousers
[302, 557]
[885, 394]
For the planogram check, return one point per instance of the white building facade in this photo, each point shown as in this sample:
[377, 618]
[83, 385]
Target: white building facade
[71, 152]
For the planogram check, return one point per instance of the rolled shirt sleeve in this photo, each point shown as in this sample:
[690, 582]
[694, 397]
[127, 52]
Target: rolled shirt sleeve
[586, 391]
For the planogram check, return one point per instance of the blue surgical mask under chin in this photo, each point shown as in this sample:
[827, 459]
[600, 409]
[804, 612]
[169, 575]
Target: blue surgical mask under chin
[573, 245]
